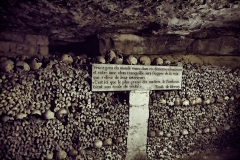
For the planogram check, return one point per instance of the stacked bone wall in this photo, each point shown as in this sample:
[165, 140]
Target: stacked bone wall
[200, 121]
[51, 112]
[34, 126]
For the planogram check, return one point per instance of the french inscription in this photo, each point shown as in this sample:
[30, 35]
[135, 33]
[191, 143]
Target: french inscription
[109, 77]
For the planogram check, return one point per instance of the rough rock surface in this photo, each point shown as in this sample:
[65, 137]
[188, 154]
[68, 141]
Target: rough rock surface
[224, 45]
[17, 43]
[74, 20]
[128, 44]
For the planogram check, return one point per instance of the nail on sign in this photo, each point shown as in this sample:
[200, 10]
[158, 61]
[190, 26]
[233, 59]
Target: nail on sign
[109, 77]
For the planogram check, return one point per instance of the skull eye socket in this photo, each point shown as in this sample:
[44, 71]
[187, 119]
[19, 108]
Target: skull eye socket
[20, 67]
[37, 60]
[119, 56]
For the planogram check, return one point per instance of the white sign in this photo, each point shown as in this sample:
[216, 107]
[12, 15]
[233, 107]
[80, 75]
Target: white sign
[109, 77]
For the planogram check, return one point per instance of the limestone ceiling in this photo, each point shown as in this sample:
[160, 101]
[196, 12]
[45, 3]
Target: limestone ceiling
[74, 20]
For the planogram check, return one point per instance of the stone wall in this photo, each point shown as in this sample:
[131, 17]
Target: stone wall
[14, 43]
[197, 43]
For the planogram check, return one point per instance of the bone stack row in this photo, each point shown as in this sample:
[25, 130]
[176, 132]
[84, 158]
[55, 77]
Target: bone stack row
[200, 119]
[51, 113]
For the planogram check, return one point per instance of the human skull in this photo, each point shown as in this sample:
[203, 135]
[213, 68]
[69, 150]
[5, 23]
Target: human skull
[100, 60]
[110, 56]
[98, 143]
[7, 65]
[35, 64]
[167, 62]
[61, 112]
[145, 60]
[66, 58]
[158, 61]
[21, 65]
[118, 59]
[198, 100]
[185, 102]
[131, 60]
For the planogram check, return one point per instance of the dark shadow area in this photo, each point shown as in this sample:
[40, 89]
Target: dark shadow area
[90, 47]
[151, 27]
